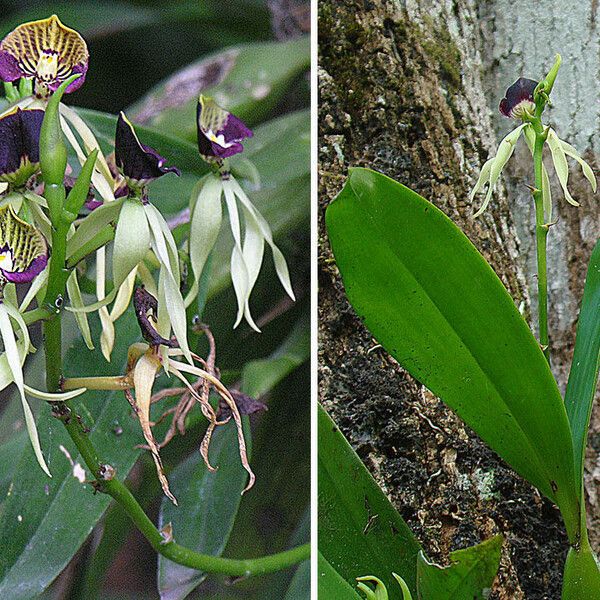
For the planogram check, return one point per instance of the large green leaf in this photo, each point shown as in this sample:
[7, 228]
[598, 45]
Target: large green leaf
[470, 574]
[208, 502]
[433, 302]
[254, 78]
[300, 585]
[581, 577]
[331, 585]
[581, 387]
[360, 532]
[40, 530]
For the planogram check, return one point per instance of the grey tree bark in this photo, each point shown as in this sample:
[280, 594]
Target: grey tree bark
[410, 88]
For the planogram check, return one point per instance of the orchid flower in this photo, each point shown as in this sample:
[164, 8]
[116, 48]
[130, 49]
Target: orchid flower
[43, 54]
[519, 104]
[146, 360]
[380, 592]
[140, 228]
[23, 255]
[219, 137]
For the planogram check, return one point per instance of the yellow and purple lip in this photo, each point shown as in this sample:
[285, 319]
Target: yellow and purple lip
[20, 145]
[139, 164]
[23, 249]
[219, 132]
[45, 51]
[518, 99]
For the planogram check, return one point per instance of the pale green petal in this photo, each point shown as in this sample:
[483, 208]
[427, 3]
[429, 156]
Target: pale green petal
[77, 301]
[278, 258]
[103, 185]
[239, 271]
[93, 223]
[107, 337]
[205, 224]
[123, 296]
[36, 285]
[484, 177]
[587, 170]
[102, 177]
[132, 240]
[175, 308]
[14, 362]
[159, 244]
[58, 397]
[253, 250]
[505, 151]
[560, 164]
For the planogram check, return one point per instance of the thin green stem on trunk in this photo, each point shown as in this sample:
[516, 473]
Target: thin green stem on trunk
[541, 233]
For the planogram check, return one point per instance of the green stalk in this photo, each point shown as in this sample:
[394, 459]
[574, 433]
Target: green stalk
[541, 233]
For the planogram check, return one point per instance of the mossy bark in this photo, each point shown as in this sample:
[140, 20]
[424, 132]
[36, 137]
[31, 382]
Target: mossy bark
[402, 90]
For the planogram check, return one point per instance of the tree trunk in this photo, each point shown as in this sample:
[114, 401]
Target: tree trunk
[411, 89]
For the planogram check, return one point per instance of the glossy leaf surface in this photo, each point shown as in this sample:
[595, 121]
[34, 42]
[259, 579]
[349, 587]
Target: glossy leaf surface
[360, 532]
[433, 302]
[470, 574]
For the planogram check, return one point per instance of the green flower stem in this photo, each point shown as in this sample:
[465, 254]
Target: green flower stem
[108, 483]
[105, 235]
[541, 233]
[118, 383]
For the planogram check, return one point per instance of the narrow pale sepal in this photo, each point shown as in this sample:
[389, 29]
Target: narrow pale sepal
[77, 301]
[406, 595]
[279, 261]
[205, 224]
[505, 151]
[561, 166]
[586, 169]
[14, 362]
[132, 240]
[54, 397]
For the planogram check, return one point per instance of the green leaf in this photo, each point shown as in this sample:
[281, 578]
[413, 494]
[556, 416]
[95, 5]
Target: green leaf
[581, 577]
[360, 532]
[583, 378]
[255, 77]
[433, 302]
[300, 585]
[331, 584]
[208, 505]
[470, 575]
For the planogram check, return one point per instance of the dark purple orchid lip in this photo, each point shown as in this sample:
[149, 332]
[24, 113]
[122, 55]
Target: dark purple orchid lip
[19, 145]
[219, 132]
[144, 302]
[138, 163]
[518, 98]
[22, 245]
[45, 51]
[35, 268]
